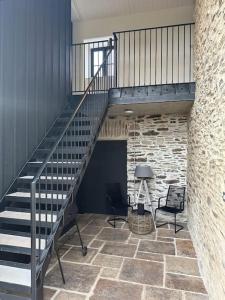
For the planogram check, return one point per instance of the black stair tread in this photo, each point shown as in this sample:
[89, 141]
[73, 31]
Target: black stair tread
[80, 132]
[65, 148]
[19, 233]
[23, 260]
[79, 138]
[58, 127]
[15, 251]
[49, 201]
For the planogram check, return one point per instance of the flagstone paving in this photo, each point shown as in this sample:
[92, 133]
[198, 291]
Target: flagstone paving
[121, 265]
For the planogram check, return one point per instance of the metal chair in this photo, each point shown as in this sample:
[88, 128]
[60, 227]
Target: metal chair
[117, 202]
[174, 204]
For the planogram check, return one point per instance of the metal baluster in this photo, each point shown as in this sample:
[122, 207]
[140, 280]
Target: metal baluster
[124, 42]
[166, 55]
[178, 50]
[89, 64]
[33, 241]
[115, 58]
[134, 58]
[80, 68]
[145, 62]
[155, 54]
[150, 46]
[57, 174]
[190, 57]
[39, 219]
[62, 161]
[51, 167]
[184, 52]
[172, 54]
[75, 67]
[84, 52]
[139, 46]
[118, 57]
[161, 55]
[45, 205]
[129, 60]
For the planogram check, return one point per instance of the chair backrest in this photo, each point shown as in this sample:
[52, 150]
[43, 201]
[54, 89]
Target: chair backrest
[113, 191]
[175, 195]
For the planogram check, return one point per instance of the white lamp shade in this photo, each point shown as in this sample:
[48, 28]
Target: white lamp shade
[143, 172]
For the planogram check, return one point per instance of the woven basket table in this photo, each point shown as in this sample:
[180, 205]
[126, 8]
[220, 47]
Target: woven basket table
[140, 224]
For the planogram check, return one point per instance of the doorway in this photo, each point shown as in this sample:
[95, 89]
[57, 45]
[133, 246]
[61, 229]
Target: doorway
[107, 165]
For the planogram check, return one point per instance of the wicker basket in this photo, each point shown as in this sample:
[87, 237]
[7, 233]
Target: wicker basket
[140, 224]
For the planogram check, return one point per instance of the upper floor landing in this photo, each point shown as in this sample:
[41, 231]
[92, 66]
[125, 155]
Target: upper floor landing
[154, 64]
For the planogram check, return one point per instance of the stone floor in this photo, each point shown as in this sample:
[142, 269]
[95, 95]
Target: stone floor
[121, 265]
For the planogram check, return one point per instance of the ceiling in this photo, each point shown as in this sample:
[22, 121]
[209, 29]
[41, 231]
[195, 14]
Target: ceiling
[168, 107]
[96, 9]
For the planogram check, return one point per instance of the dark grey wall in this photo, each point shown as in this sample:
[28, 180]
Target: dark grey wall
[35, 38]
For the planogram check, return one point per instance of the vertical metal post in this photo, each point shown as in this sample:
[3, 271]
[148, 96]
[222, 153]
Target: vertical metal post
[115, 59]
[190, 57]
[178, 50]
[172, 54]
[139, 58]
[150, 46]
[124, 56]
[156, 41]
[145, 59]
[161, 57]
[166, 55]
[33, 242]
[184, 51]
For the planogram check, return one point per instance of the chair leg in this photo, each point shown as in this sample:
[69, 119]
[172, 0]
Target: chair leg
[84, 248]
[176, 225]
[175, 221]
[60, 266]
[155, 221]
[155, 215]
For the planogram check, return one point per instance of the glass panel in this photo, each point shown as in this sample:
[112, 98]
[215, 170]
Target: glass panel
[98, 57]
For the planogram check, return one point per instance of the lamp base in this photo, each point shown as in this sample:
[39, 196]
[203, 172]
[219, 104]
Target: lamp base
[141, 209]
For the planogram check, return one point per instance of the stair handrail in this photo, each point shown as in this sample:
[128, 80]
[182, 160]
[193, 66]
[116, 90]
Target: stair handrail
[41, 169]
[34, 255]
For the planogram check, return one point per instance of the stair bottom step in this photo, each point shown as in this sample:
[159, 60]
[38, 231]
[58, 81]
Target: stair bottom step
[15, 276]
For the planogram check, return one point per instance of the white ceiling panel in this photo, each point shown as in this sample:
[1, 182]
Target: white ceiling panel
[95, 9]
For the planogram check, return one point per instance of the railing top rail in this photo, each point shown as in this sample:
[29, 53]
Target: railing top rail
[88, 43]
[44, 164]
[152, 28]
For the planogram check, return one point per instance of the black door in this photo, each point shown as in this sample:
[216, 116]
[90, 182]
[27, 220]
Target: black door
[108, 165]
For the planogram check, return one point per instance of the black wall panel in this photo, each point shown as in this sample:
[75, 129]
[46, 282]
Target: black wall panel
[35, 37]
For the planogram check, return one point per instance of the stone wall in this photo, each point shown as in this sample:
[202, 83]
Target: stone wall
[159, 141]
[206, 150]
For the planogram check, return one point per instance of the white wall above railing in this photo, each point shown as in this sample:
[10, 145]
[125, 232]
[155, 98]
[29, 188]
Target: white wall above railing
[97, 28]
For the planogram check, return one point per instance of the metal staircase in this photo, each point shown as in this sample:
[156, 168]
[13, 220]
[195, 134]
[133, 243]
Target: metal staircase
[34, 210]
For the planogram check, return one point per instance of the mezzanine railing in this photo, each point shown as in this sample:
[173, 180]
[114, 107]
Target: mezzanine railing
[86, 59]
[141, 57]
[150, 56]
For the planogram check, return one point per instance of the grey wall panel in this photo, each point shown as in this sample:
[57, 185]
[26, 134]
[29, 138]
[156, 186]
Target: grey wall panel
[35, 39]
